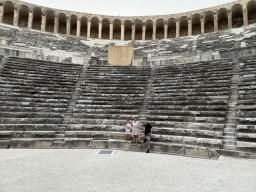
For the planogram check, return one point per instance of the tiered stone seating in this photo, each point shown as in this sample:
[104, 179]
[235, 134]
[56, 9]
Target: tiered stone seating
[34, 97]
[109, 96]
[246, 130]
[188, 107]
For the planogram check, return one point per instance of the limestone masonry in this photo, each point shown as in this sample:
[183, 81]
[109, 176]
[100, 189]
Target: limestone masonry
[193, 76]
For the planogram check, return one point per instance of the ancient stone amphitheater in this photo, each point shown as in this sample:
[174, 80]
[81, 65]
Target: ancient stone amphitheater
[193, 76]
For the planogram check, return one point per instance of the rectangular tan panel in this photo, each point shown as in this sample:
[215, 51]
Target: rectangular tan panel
[120, 55]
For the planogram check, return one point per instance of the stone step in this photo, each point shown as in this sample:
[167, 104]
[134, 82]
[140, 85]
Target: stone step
[59, 135]
[232, 138]
[229, 147]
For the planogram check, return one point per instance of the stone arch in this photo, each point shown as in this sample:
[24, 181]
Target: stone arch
[222, 19]
[128, 30]
[171, 31]
[196, 24]
[117, 29]
[83, 31]
[160, 29]
[37, 18]
[237, 16]
[208, 22]
[149, 30]
[73, 24]
[49, 21]
[23, 16]
[183, 26]
[94, 27]
[8, 12]
[62, 23]
[105, 28]
[251, 11]
[138, 30]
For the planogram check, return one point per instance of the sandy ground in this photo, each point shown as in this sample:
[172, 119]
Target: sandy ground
[82, 170]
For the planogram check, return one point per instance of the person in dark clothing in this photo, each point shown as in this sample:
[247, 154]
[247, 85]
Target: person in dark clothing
[148, 132]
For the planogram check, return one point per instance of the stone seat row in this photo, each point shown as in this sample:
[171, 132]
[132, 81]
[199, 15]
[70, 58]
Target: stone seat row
[160, 85]
[191, 83]
[199, 113]
[89, 100]
[42, 68]
[169, 90]
[32, 88]
[4, 82]
[36, 109]
[46, 74]
[46, 96]
[41, 78]
[30, 115]
[188, 80]
[30, 120]
[198, 94]
[198, 108]
[42, 62]
[39, 92]
[191, 73]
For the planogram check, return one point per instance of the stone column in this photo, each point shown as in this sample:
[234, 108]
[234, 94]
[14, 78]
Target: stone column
[154, 31]
[202, 24]
[245, 16]
[165, 30]
[189, 26]
[122, 31]
[177, 28]
[43, 22]
[16, 17]
[78, 27]
[30, 19]
[143, 31]
[133, 31]
[100, 29]
[88, 28]
[229, 19]
[56, 24]
[68, 25]
[1, 13]
[111, 30]
[215, 17]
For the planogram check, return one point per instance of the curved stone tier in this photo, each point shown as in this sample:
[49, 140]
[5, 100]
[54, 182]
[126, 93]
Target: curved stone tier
[231, 15]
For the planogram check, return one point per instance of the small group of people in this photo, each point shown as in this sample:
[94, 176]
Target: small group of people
[132, 129]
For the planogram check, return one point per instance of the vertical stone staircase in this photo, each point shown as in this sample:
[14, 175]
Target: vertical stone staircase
[229, 135]
[143, 110]
[60, 132]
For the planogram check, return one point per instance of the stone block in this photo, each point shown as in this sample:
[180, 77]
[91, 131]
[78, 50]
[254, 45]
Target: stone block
[43, 143]
[22, 143]
[136, 147]
[119, 144]
[77, 143]
[117, 135]
[4, 144]
[194, 151]
[189, 140]
[177, 149]
[213, 154]
[100, 144]
[215, 143]
[156, 147]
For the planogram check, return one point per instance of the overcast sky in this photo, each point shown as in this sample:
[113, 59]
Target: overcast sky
[129, 7]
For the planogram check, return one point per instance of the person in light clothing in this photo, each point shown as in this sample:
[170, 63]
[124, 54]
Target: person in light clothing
[135, 129]
[128, 127]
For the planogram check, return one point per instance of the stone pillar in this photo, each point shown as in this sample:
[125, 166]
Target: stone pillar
[89, 29]
[111, 30]
[245, 16]
[154, 31]
[16, 17]
[215, 17]
[143, 31]
[30, 19]
[56, 24]
[78, 27]
[122, 31]
[43, 22]
[133, 31]
[189, 26]
[165, 30]
[177, 28]
[68, 25]
[1, 13]
[202, 24]
[229, 19]
[100, 29]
